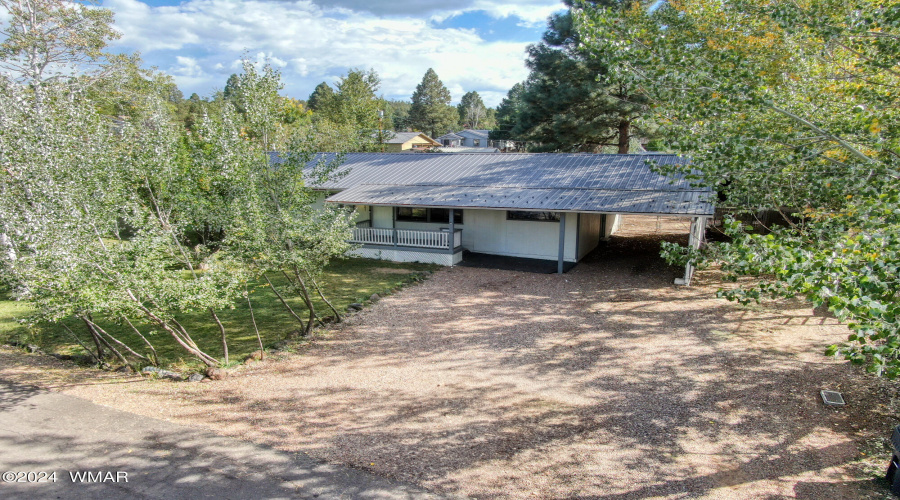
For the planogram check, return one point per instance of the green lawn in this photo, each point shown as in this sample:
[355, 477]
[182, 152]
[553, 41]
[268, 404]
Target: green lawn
[346, 281]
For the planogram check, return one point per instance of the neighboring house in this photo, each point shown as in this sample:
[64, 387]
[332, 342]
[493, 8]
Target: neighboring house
[466, 138]
[444, 149]
[542, 206]
[450, 140]
[403, 141]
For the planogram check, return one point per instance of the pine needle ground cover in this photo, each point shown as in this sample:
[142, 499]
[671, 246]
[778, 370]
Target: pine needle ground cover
[346, 281]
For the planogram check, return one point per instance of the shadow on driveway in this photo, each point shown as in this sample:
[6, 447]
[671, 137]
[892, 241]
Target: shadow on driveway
[48, 432]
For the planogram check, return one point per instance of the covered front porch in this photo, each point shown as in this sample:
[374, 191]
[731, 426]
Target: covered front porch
[435, 246]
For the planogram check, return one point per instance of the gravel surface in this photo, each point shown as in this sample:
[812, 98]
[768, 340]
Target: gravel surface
[606, 382]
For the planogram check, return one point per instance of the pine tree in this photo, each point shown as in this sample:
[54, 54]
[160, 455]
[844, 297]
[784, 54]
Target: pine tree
[570, 103]
[232, 87]
[431, 110]
[396, 116]
[320, 96]
[507, 115]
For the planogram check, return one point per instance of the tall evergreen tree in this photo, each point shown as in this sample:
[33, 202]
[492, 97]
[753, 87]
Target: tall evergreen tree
[571, 102]
[471, 110]
[396, 115]
[507, 115]
[232, 87]
[322, 93]
[431, 110]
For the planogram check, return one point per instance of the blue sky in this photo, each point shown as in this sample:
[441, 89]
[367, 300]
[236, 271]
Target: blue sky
[471, 44]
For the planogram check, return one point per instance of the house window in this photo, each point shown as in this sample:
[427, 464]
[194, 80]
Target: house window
[539, 216]
[412, 214]
[442, 215]
[434, 215]
[476, 142]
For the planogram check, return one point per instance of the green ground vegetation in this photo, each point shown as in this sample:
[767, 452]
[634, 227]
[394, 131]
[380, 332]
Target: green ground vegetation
[348, 281]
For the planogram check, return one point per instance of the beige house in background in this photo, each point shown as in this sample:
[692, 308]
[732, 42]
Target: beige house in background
[405, 141]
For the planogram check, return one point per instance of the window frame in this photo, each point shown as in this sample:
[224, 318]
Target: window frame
[429, 219]
[551, 216]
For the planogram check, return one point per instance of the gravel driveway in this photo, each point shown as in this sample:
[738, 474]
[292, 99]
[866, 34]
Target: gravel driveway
[606, 382]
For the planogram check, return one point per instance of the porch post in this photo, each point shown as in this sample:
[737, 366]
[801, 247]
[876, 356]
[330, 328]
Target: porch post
[562, 242]
[451, 237]
[394, 225]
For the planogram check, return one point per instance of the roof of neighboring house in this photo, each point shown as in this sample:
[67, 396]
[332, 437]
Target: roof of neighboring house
[467, 149]
[403, 137]
[462, 134]
[578, 182]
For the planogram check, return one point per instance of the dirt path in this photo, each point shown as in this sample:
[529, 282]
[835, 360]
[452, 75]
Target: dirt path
[607, 382]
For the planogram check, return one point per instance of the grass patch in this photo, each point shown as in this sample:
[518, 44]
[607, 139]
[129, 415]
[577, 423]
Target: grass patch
[345, 281]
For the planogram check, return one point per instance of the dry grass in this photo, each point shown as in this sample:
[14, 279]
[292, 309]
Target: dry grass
[607, 382]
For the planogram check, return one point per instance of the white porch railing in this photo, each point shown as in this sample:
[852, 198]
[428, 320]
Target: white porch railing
[406, 237]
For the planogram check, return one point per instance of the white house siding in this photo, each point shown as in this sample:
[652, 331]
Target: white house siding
[589, 233]
[488, 231]
[381, 216]
[362, 211]
[427, 226]
[319, 202]
[612, 224]
[469, 140]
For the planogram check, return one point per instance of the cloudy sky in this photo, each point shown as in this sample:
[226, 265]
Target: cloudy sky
[471, 44]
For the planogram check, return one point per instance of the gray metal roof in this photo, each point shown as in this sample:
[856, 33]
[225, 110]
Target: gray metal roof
[467, 149]
[602, 183]
[543, 199]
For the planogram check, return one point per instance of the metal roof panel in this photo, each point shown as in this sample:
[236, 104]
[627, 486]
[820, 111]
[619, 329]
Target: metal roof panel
[541, 181]
[685, 202]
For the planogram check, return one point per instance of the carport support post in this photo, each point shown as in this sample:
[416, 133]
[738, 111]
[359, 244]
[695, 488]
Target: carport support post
[562, 242]
[698, 228]
[451, 237]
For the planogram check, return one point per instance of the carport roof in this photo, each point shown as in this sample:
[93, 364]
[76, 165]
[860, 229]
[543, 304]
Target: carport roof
[600, 183]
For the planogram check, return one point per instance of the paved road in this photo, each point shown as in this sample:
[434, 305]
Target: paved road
[50, 432]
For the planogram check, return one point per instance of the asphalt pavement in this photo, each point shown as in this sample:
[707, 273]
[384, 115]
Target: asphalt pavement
[58, 446]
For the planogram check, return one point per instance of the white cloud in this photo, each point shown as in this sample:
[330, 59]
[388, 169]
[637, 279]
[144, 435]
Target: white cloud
[311, 44]
[186, 66]
[533, 13]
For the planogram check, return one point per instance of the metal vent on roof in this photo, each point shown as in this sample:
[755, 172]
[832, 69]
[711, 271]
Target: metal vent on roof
[832, 398]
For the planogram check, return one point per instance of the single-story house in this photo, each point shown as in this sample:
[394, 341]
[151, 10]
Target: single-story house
[466, 139]
[543, 206]
[403, 141]
[444, 149]
[450, 140]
